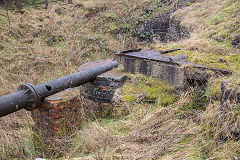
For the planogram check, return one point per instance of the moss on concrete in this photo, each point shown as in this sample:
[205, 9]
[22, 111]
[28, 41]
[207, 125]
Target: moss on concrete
[157, 92]
[229, 62]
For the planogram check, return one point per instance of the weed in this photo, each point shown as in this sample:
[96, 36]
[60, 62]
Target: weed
[33, 1]
[198, 102]
[188, 3]
[55, 39]
[31, 150]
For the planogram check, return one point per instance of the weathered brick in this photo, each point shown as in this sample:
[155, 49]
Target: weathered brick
[56, 115]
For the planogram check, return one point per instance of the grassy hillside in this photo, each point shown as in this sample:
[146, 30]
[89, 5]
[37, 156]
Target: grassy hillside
[40, 45]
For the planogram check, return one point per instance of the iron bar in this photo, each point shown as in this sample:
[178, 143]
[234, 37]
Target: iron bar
[30, 97]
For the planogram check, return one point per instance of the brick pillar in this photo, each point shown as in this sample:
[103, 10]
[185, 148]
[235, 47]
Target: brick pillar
[96, 96]
[59, 115]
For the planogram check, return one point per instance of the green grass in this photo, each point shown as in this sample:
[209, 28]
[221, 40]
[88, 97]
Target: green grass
[33, 1]
[225, 23]
[198, 102]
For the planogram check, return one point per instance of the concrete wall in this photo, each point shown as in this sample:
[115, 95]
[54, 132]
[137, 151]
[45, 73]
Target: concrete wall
[159, 70]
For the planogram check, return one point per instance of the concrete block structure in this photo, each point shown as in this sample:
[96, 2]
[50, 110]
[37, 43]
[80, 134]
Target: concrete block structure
[167, 68]
[152, 63]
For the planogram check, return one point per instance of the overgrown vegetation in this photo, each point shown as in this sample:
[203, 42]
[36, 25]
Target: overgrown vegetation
[214, 25]
[152, 91]
[192, 126]
[151, 121]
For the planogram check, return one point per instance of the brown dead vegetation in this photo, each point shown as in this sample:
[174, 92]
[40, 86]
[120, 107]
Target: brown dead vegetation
[47, 44]
[151, 138]
[167, 133]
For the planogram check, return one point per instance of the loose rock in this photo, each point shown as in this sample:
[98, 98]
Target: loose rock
[236, 42]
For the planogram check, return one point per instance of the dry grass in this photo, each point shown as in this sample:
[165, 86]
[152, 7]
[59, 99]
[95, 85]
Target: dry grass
[172, 132]
[16, 136]
[208, 21]
[220, 130]
[165, 133]
[46, 44]
[156, 135]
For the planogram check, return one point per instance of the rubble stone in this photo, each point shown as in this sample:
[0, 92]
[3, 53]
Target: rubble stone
[236, 42]
[230, 95]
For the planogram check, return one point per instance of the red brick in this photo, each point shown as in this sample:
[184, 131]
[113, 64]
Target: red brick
[56, 116]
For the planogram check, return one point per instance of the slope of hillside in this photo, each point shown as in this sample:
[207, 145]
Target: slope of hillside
[40, 45]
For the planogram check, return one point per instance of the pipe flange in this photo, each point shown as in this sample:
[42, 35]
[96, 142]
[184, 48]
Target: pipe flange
[34, 102]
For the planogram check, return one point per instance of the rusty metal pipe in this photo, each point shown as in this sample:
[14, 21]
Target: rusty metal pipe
[30, 97]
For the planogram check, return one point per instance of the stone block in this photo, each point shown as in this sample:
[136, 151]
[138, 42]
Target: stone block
[96, 96]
